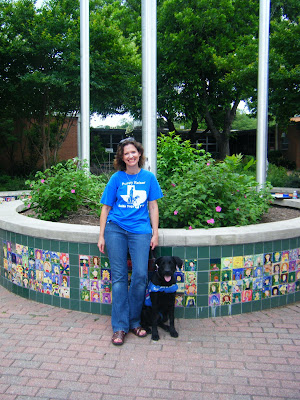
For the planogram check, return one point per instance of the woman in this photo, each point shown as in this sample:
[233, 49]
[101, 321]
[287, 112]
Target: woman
[128, 199]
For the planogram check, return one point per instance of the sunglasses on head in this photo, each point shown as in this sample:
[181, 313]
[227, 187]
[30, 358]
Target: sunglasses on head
[128, 139]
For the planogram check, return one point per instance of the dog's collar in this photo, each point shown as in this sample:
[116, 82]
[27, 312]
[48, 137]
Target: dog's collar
[167, 289]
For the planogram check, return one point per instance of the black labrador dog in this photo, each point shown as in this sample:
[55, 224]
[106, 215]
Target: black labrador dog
[160, 297]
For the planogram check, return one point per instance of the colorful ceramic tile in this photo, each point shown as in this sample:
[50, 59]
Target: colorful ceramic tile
[237, 274]
[64, 264]
[268, 257]
[283, 289]
[284, 267]
[95, 262]
[236, 298]
[225, 298]
[225, 287]
[214, 276]
[214, 299]
[275, 291]
[284, 278]
[179, 276]
[95, 273]
[248, 261]
[297, 278]
[190, 265]
[215, 264]
[285, 256]
[237, 286]
[226, 263]
[190, 301]
[179, 300]
[246, 296]
[248, 272]
[293, 255]
[292, 266]
[214, 288]
[267, 281]
[268, 269]
[105, 297]
[248, 283]
[276, 268]
[237, 262]
[275, 280]
[292, 277]
[256, 295]
[226, 275]
[257, 283]
[291, 287]
[257, 271]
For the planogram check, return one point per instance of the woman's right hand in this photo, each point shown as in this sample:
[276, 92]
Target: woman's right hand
[101, 244]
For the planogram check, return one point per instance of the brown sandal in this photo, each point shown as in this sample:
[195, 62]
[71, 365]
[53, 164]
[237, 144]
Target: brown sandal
[139, 331]
[118, 338]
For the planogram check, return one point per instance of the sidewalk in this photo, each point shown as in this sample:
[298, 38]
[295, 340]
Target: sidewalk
[51, 353]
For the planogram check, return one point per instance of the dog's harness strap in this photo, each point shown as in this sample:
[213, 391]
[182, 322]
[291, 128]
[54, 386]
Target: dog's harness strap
[156, 288]
[167, 289]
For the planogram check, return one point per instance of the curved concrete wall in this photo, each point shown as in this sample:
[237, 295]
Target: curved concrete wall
[214, 259]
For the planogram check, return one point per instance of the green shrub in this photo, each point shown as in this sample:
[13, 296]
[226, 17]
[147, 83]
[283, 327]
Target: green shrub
[9, 183]
[200, 192]
[277, 176]
[63, 188]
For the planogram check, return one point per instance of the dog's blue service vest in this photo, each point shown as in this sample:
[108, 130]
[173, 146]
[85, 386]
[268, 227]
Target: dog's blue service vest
[156, 288]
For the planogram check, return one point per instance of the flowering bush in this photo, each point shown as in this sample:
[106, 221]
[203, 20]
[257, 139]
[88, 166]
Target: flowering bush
[202, 193]
[62, 189]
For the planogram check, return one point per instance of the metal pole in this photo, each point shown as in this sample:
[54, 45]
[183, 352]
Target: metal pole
[85, 81]
[149, 82]
[262, 104]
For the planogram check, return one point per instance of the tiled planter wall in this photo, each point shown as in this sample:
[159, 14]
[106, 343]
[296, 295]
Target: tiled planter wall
[220, 277]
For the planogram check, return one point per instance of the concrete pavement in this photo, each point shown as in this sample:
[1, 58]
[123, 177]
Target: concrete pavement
[48, 353]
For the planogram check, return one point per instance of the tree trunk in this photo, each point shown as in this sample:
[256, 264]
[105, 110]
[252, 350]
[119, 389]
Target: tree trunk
[171, 125]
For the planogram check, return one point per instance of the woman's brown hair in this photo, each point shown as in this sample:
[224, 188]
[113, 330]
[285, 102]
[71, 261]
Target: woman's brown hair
[119, 164]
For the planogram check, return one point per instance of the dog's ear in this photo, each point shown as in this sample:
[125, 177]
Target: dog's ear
[178, 261]
[157, 262]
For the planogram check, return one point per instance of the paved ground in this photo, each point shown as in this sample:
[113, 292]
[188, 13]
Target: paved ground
[50, 353]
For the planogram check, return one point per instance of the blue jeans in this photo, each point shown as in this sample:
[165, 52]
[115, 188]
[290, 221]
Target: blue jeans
[127, 303]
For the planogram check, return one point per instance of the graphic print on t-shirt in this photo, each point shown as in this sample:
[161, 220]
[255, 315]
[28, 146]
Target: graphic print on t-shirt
[134, 197]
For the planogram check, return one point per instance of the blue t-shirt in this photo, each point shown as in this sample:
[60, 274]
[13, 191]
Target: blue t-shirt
[128, 196]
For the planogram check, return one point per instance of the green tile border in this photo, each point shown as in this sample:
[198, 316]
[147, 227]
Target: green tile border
[201, 254]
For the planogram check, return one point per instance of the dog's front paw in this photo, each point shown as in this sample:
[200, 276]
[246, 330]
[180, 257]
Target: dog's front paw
[173, 333]
[155, 336]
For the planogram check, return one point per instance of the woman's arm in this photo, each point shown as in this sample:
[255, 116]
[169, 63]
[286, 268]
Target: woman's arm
[103, 218]
[154, 217]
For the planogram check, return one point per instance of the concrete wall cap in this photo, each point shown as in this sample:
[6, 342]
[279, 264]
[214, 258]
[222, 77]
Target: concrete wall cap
[12, 221]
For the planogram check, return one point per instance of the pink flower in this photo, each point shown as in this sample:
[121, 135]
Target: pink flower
[173, 184]
[210, 221]
[237, 190]
[208, 163]
[42, 180]
[245, 196]
[218, 209]
[175, 212]
[28, 205]
[190, 227]
[73, 191]
[237, 209]
[59, 198]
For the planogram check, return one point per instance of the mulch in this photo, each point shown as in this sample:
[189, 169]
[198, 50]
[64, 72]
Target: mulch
[275, 213]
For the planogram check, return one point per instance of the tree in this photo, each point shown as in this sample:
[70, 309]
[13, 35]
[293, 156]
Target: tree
[40, 67]
[284, 69]
[206, 62]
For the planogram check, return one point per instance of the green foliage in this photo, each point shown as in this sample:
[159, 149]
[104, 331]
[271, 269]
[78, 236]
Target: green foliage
[243, 121]
[63, 188]
[9, 183]
[277, 157]
[279, 176]
[201, 193]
